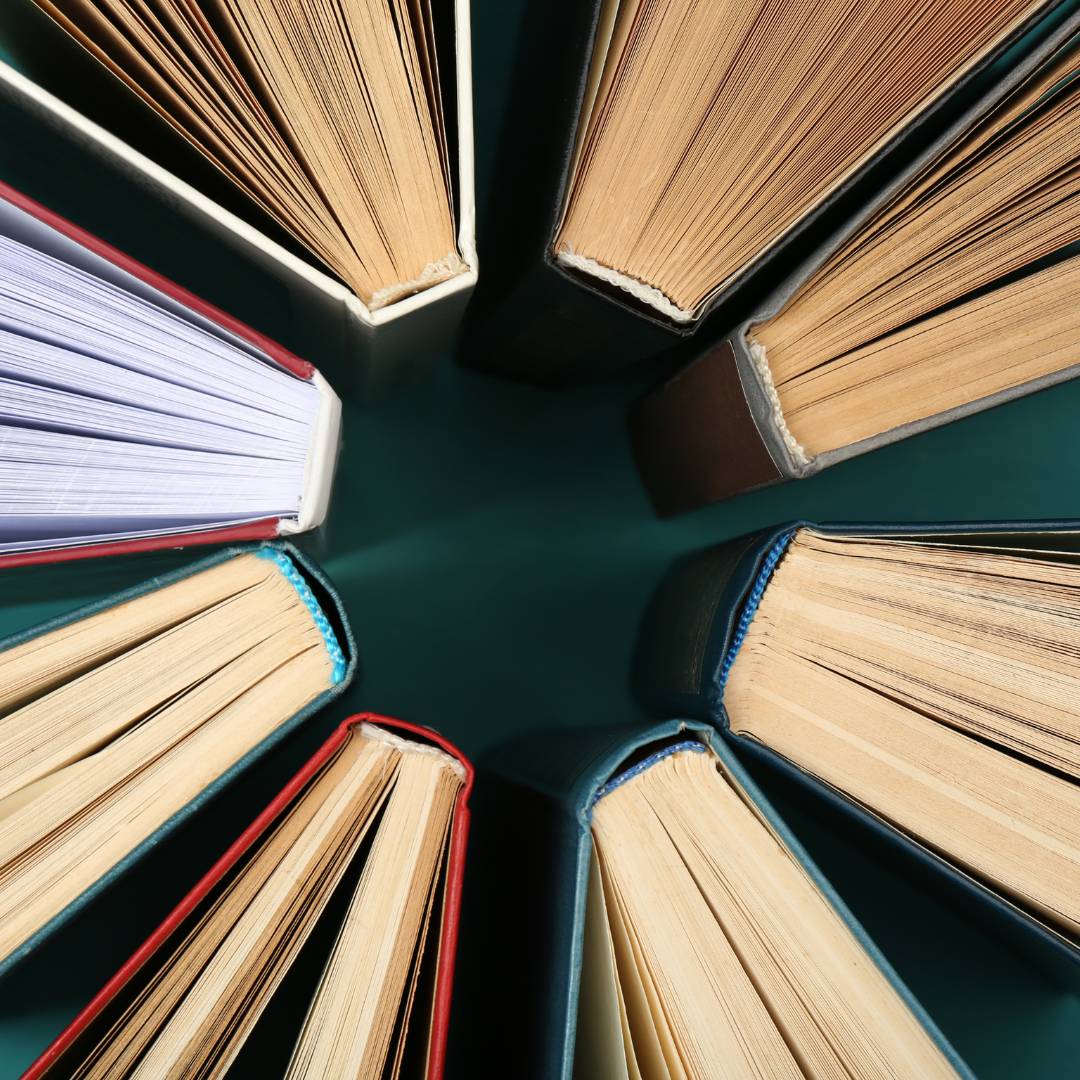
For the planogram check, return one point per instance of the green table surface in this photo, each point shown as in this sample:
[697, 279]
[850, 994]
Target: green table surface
[494, 550]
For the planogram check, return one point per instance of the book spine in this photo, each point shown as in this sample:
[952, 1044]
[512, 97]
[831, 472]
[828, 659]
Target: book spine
[709, 433]
[716, 429]
[554, 330]
[324, 445]
[515, 998]
[464, 142]
[690, 621]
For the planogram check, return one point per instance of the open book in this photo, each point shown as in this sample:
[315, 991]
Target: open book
[954, 295]
[341, 135]
[925, 679]
[321, 944]
[708, 945]
[676, 928]
[119, 721]
[134, 415]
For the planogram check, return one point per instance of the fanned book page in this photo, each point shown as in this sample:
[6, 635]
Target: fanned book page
[126, 414]
[328, 114]
[113, 723]
[938, 687]
[345, 886]
[714, 128]
[710, 950]
[961, 288]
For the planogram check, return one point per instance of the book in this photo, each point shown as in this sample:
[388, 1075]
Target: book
[643, 841]
[222, 126]
[125, 718]
[321, 943]
[918, 679]
[946, 297]
[683, 157]
[134, 415]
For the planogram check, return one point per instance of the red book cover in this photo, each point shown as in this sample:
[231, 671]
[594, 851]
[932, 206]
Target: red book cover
[451, 912]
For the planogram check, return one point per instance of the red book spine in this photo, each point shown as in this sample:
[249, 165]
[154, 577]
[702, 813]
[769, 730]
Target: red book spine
[451, 907]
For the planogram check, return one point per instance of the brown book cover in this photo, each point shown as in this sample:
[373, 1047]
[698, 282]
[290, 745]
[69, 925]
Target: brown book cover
[695, 440]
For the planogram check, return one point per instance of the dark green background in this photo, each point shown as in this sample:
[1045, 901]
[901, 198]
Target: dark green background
[494, 550]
